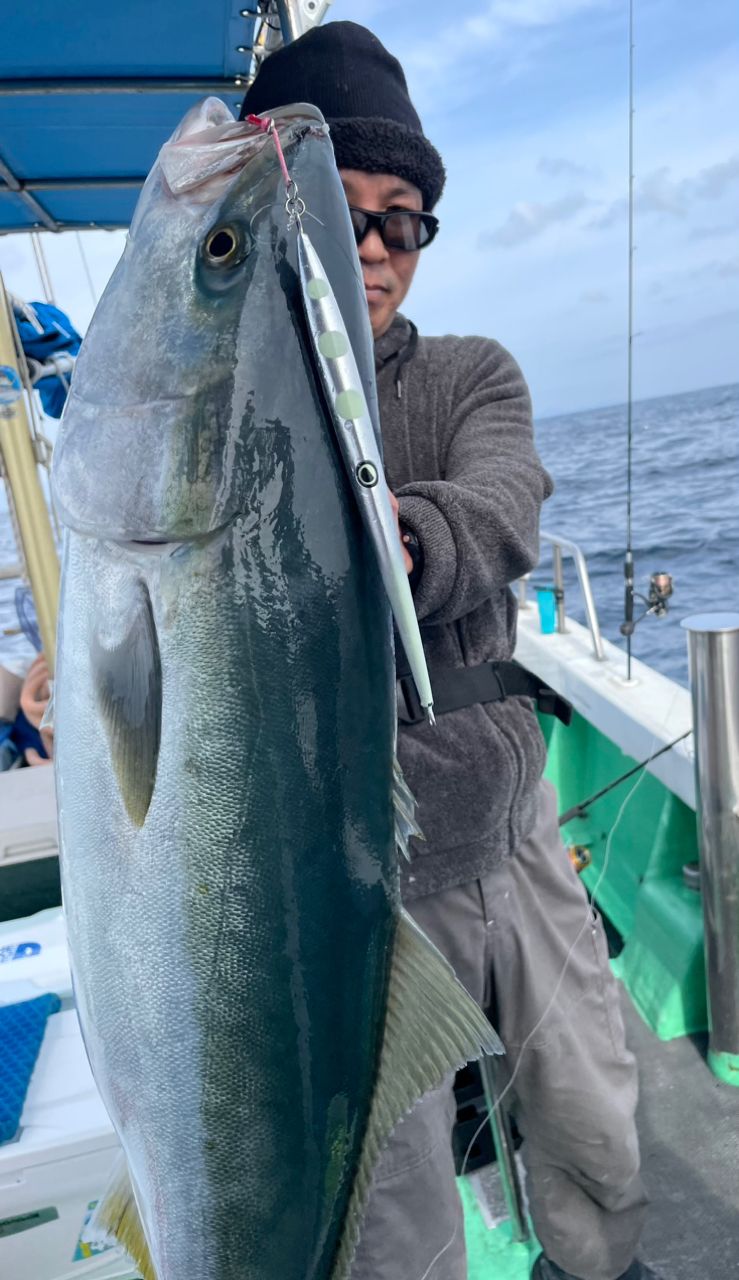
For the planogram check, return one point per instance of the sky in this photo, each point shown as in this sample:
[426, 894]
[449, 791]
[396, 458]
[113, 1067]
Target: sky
[527, 102]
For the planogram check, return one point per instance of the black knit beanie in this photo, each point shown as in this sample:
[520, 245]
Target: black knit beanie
[361, 91]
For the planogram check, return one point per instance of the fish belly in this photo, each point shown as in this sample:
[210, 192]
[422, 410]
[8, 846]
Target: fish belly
[230, 945]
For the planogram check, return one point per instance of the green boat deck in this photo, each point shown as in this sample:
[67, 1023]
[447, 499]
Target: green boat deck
[689, 1130]
[652, 836]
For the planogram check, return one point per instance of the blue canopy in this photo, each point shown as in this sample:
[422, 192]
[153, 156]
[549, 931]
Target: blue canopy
[89, 92]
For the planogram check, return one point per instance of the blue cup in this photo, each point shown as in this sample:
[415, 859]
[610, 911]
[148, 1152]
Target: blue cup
[547, 603]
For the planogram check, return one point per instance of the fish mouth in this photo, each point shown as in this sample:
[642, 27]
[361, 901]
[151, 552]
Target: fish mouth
[169, 546]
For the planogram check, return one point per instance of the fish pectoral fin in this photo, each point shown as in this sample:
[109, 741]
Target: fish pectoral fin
[432, 1027]
[404, 805]
[128, 686]
[116, 1220]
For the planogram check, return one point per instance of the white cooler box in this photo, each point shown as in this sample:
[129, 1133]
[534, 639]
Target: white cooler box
[57, 1167]
[34, 958]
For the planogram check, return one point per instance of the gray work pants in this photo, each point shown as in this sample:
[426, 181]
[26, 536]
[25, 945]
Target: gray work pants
[575, 1090]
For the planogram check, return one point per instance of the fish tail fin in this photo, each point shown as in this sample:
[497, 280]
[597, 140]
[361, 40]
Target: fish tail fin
[116, 1220]
[404, 805]
[432, 1027]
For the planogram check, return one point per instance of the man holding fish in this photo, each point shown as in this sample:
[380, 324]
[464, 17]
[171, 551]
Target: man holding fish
[491, 885]
[260, 1008]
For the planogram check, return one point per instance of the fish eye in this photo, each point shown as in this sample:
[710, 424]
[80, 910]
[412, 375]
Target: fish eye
[224, 247]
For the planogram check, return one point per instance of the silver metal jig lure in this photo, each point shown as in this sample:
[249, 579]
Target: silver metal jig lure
[358, 444]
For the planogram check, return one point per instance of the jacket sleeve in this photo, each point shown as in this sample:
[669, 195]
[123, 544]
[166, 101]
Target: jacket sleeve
[479, 525]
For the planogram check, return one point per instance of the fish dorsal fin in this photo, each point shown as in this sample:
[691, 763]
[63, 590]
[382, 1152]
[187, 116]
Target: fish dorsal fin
[432, 1027]
[116, 1220]
[404, 805]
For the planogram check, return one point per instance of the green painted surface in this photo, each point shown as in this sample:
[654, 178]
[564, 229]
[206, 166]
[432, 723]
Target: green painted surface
[333, 343]
[350, 404]
[491, 1253]
[317, 288]
[642, 891]
[725, 1066]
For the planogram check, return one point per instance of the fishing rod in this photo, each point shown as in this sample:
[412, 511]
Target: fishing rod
[628, 623]
[580, 810]
[660, 585]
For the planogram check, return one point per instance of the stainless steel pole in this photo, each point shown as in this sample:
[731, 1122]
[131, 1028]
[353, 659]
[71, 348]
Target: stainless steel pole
[713, 646]
[19, 469]
[500, 1126]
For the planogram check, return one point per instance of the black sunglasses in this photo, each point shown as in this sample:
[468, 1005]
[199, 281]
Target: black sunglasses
[402, 229]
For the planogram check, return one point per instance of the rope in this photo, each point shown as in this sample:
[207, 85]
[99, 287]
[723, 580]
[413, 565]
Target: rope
[42, 446]
[267, 125]
[43, 269]
[85, 264]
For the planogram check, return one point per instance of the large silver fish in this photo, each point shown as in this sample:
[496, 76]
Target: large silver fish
[257, 1010]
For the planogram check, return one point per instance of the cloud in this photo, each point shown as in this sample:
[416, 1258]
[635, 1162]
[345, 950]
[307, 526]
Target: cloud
[726, 269]
[557, 167]
[530, 219]
[493, 25]
[614, 213]
[712, 183]
[660, 193]
[594, 296]
[539, 13]
[713, 232]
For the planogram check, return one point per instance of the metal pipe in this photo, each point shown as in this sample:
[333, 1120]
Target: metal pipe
[500, 1127]
[559, 587]
[9, 572]
[591, 613]
[713, 647]
[83, 184]
[22, 227]
[18, 464]
[19, 188]
[26, 88]
[289, 21]
[298, 16]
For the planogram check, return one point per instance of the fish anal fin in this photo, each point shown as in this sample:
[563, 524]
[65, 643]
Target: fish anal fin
[432, 1027]
[116, 1220]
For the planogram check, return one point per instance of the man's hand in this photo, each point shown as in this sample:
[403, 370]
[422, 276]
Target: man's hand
[403, 538]
[35, 696]
[36, 692]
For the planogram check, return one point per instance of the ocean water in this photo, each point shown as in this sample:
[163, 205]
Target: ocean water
[685, 511]
[685, 514]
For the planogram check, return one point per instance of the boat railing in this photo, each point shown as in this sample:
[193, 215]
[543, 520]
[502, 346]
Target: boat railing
[564, 547]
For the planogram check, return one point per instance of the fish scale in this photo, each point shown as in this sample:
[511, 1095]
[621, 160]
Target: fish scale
[251, 995]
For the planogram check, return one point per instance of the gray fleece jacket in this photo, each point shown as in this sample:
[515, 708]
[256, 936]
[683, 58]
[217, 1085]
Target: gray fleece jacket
[460, 456]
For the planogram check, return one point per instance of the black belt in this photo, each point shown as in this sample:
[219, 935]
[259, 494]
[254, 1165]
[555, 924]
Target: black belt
[457, 687]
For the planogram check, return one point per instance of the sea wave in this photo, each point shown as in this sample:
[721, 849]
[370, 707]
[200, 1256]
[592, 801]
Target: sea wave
[684, 514]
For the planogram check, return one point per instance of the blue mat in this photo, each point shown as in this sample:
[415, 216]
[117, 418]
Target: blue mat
[22, 1028]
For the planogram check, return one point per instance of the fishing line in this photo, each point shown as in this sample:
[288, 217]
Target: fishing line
[441, 1253]
[587, 923]
[86, 266]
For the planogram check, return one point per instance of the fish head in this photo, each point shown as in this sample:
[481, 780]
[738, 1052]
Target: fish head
[156, 443]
